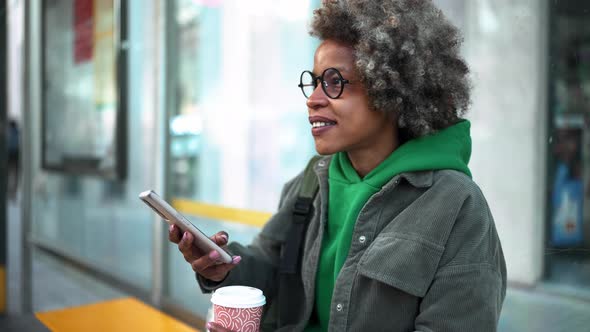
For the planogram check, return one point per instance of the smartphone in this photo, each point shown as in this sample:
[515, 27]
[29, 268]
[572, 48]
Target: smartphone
[173, 217]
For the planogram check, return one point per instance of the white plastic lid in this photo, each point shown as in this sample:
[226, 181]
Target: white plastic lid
[238, 297]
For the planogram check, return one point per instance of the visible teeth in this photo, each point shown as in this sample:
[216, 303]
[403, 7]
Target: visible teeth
[321, 124]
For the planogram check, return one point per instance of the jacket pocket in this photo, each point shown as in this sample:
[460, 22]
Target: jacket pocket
[402, 261]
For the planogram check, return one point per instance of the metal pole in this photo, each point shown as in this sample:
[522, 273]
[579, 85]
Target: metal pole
[162, 141]
[31, 99]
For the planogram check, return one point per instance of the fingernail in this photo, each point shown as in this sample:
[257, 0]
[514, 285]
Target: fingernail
[214, 255]
[224, 236]
[184, 236]
[236, 259]
[171, 228]
[209, 325]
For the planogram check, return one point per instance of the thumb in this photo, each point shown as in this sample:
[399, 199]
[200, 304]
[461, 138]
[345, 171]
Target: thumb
[220, 238]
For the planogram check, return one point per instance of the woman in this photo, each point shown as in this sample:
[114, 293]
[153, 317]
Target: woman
[401, 238]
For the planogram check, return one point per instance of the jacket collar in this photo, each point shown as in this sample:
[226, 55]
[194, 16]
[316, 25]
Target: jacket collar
[421, 179]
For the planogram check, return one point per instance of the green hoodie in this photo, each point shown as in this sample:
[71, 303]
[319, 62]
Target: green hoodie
[449, 148]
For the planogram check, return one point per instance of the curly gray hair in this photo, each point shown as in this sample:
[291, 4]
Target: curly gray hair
[407, 57]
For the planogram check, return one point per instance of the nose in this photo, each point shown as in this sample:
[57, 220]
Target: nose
[318, 99]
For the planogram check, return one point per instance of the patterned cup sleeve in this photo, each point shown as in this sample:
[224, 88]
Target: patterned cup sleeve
[238, 319]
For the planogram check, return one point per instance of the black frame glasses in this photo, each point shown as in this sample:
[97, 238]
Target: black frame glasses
[332, 83]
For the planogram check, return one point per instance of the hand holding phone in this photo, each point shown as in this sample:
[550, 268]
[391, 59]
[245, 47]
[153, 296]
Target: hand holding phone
[206, 265]
[173, 217]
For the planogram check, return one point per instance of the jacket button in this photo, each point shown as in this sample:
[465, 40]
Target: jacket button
[362, 239]
[322, 163]
[339, 307]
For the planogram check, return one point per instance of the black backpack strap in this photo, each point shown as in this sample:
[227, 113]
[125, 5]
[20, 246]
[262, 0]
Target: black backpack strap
[301, 215]
[293, 246]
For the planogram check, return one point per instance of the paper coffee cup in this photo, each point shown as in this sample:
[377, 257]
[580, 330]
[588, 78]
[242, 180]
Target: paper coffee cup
[238, 308]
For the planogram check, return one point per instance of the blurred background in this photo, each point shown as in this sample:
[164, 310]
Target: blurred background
[198, 100]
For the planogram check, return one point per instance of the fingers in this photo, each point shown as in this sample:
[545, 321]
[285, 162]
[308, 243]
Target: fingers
[184, 242]
[188, 248]
[214, 327]
[205, 264]
[209, 267]
[174, 234]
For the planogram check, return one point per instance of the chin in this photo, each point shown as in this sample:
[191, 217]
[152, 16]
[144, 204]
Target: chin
[325, 150]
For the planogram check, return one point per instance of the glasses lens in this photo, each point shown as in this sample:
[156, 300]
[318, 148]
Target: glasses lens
[307, 83]
[332, 81]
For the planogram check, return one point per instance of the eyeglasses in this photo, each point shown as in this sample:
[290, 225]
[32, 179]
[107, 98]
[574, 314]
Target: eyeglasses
[332, 83]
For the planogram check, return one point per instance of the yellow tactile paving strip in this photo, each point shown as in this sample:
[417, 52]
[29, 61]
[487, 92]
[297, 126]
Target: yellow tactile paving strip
[127, 314]
[3, 288]
[220, 212]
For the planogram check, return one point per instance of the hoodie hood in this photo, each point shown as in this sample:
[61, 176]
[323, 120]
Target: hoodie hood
[449, 148]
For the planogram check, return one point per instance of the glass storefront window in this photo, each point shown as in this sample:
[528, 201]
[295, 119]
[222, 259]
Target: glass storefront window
[99, 222]
[239, 130]
[568, 240]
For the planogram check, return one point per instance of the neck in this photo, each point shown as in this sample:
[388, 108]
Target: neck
[365, 160]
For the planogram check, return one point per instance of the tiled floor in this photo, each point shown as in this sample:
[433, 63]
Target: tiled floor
[538, 311]
[57, 286]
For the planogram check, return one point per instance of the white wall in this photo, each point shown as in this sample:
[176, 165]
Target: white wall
[505, 45]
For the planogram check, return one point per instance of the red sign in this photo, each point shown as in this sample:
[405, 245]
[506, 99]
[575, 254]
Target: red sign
[83, 30]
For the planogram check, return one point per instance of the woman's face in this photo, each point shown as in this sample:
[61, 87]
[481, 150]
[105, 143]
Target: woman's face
[349, 124]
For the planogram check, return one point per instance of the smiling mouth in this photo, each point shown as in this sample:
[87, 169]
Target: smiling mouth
[322, 124]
